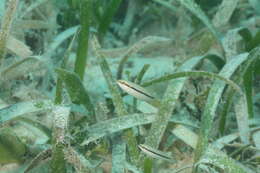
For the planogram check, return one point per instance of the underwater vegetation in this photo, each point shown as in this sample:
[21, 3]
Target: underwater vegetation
[138, 86]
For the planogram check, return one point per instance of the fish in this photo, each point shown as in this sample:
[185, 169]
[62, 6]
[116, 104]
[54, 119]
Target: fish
[135, 90]
[155, 153]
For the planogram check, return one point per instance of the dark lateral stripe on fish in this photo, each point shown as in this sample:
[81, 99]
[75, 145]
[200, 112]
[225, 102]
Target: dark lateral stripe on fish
[153, 152]
[124, 83]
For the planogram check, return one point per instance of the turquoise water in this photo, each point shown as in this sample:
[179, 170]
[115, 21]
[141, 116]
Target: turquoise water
[129, 85]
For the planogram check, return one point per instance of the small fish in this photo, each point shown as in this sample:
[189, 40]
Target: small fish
[135, 90]
[155, 153]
